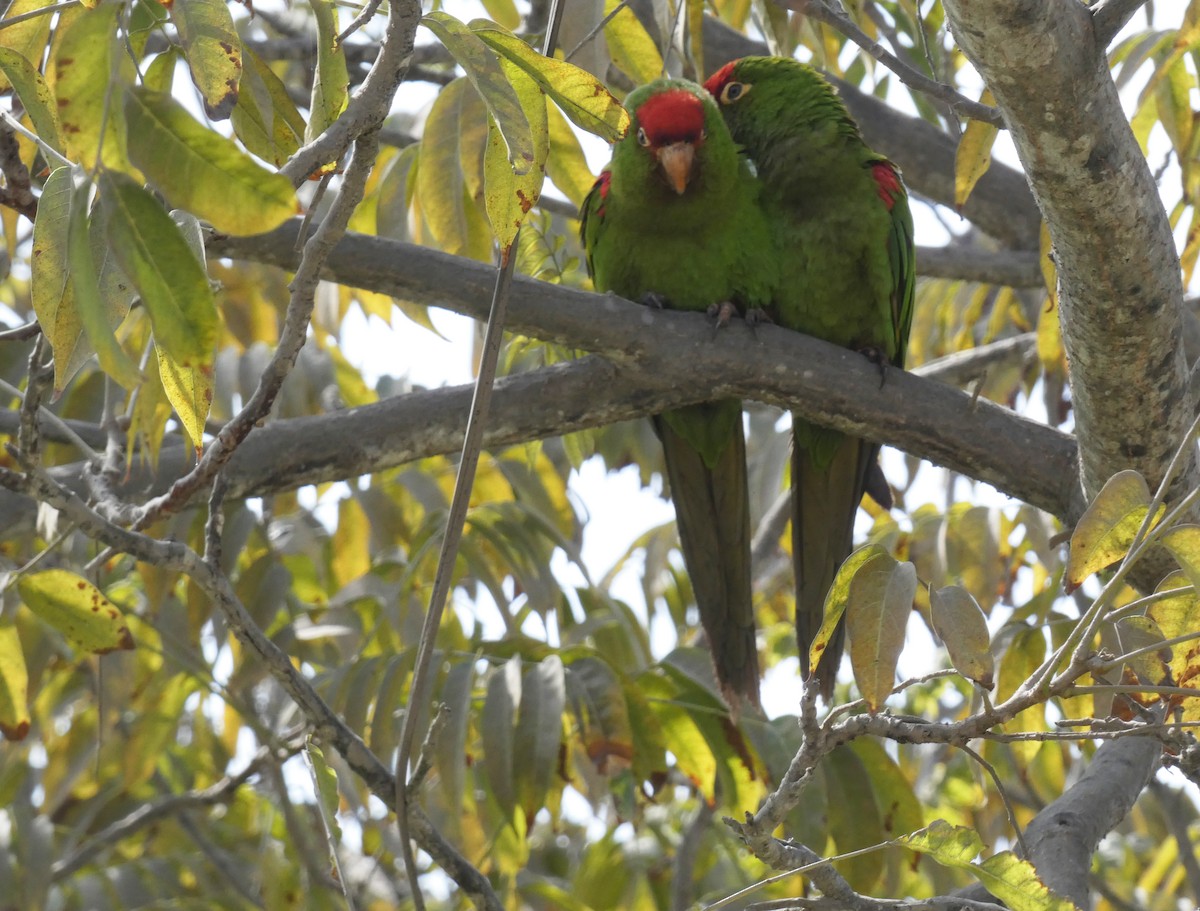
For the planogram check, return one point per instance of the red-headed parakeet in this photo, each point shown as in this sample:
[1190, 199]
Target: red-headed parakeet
[840, 213]
[675, 219]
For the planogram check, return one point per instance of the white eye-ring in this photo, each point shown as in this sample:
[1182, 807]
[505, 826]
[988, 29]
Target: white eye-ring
[642, 138]
[733, 92]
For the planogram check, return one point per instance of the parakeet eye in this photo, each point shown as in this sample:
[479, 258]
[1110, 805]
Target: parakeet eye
[642, 138]
[733, 92]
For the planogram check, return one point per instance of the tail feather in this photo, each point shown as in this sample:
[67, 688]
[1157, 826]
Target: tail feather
[713, 517]
[830, 473]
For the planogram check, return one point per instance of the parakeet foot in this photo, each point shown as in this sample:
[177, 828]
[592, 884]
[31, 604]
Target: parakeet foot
[755, 317]
[653, 300]
[877, 357]
[720, 314]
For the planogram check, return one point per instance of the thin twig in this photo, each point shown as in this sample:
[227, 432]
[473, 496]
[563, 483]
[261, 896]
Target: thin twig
[914, 79]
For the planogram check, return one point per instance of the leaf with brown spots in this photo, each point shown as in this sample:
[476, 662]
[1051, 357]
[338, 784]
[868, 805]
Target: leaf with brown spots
[213, 51]
[77, 609]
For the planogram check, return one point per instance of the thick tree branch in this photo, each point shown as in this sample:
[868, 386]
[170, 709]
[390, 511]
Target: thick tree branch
[823, 383]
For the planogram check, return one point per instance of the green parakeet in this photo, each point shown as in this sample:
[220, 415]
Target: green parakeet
[840, 211]
[674, 220]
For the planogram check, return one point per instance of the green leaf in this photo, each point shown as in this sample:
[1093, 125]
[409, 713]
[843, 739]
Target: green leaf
[27, 38]
[77, 609]
[330, 91]
[499, 715]
[877, 611]
[173, 285]
[1023, 656]
[326, 786]
[35, 95]
[539, 733]
[52, 292]
[202, 171]
[854, 820]
[14, 685]
[1106, 530]
[213, 51]
[582, 97]
[836, 600]
[93, 312]
[960, 624]
[265, 118]
[483, 69]
[510, 196]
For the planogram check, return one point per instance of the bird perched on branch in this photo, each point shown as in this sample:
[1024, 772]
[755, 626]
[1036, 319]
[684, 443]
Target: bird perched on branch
[674, 220]
[840, 213]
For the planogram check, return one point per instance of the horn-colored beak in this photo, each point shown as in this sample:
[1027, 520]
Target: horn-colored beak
[676, 163]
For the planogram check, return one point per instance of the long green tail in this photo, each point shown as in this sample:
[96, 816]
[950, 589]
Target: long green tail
[712, 514]
[829, 476]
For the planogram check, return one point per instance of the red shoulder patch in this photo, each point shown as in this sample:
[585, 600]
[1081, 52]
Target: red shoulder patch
[716, 82]
[887, 181]
[675, 115]
[601, 186]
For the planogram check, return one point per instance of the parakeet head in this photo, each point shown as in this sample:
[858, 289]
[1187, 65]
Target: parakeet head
[761, 97]
[671, 136]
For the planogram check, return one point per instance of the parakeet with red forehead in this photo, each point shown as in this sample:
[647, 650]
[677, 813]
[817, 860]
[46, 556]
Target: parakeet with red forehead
[841, 215]
[675, 219]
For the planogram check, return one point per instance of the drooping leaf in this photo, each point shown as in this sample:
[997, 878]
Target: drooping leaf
[539, 733]
[633, 50]
[854, 820]
[35, 95]
[1183, 542]
[498, 727]
[93, 312]
[1025, 653]
[510, 196]
[1105, 532]
[330, 91]
[1134, 633]
[877, 611]
[52, 293]
[835, 601]
[91, 118]
[77, 609]
[173, 285]
[213, 51]
[190, 392]
[14, 685]
[974, 154]
[1015, 882]
[326, 786]
[483, 70]
[202, 171]
[566, 165]
[582, 97]
[27, 38]
[960, 624]
[265, 118]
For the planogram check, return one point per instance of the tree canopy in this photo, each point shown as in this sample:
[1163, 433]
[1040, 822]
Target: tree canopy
[221, 542]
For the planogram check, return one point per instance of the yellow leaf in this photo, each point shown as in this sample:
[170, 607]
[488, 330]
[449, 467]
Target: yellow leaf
[27, 38]
[265, 118]
[1106, 530]
[213, 51]
[974, 154]
[14, 685]
[566, 164]
[1024, 655]
[351, 543]
[35, 95]
[77, 609]
[510, 196]
[582, 97]
[190, 392]
[633, 50]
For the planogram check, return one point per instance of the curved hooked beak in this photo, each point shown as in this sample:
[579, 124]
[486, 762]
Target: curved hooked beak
[676, 163]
